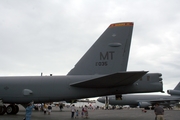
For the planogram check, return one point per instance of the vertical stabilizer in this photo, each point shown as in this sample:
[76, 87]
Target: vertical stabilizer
[176, 90]
[177, 86]
[109, 54]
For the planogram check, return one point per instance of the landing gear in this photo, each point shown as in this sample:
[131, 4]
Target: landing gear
[10, 109]
[2, 110]
[106, 103]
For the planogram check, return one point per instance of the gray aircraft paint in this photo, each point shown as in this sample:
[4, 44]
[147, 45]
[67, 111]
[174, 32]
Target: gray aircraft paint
[108, 54]
[58, 88]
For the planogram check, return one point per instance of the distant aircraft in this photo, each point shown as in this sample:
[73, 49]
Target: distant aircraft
[176, 91]
[87, 100]
[80, 100]
[101, 71]
[143, 101]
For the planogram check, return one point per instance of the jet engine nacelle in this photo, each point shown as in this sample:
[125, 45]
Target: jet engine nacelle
[173, 92]
[144, 104]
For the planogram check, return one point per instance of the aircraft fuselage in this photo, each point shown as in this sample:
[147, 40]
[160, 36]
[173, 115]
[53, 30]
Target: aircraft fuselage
[57, 88]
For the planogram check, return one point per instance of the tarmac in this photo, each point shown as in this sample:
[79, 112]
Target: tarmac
[121, 114]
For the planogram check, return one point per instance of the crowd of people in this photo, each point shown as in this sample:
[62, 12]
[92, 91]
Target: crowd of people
[79, 112]
[75, 112]
[47, 108]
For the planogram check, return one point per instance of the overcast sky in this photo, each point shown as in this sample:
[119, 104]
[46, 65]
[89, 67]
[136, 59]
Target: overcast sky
[50, 36]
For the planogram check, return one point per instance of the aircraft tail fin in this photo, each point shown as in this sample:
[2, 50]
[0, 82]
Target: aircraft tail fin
[177, 86]
[109, 54]
[176, 90]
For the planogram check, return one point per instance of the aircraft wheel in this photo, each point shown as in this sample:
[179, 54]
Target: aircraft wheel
[10, 109]
[2, 110]
[16, 109]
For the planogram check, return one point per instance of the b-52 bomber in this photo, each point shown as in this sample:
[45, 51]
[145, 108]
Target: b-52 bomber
[144, 101]
[101, 71]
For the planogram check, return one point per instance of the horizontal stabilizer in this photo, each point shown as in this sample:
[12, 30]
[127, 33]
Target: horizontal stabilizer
[112, 80]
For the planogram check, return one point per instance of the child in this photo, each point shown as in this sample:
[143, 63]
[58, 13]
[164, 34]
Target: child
[77, 114]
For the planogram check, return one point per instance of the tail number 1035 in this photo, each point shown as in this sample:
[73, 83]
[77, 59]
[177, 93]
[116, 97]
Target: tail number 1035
[101, 63]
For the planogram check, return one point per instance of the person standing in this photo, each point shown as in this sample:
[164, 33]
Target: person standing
[77, 114]
[73, 110]
[45, 108]
[29, 110]
[159, 112]
[86, 111]
[61, 106]
[82, 112]
[49, 109]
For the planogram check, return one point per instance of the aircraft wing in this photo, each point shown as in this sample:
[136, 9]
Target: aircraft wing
[111, 80]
